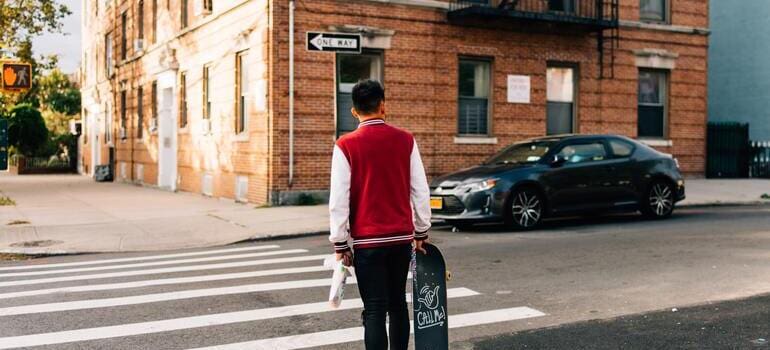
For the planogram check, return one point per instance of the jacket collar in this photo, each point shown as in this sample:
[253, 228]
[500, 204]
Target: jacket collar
[372, 122]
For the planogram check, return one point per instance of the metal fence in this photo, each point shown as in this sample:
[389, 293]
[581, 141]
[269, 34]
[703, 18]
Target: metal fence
[588, 9]
[759, 159]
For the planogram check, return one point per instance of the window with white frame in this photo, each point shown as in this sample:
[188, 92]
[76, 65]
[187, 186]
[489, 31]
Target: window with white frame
[653, 10]
[473, 97]
[653, 95]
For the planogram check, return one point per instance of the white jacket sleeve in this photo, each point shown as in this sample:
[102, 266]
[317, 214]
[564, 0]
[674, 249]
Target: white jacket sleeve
[420, 195]
[339, 201]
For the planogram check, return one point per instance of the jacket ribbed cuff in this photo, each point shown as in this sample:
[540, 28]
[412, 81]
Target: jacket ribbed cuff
[341, 247]
[420, 236]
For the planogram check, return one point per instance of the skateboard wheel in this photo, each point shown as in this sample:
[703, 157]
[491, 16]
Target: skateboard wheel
[448, 275]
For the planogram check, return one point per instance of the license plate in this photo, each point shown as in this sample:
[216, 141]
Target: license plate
[436, 202]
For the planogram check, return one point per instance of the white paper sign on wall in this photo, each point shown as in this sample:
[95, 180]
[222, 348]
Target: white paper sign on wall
[518, 88]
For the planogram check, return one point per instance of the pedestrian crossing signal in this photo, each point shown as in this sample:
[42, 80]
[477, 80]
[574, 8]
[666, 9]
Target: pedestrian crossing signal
[16, 76]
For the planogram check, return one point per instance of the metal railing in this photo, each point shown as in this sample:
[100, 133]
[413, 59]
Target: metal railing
[759, 159]
[554, 10]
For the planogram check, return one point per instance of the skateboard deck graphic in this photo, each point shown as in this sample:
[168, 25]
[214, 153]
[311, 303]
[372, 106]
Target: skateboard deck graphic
[431, 330]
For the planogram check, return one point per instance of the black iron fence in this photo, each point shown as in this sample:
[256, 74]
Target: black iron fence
[567, 10]
[731, 154]
[42, 165]
[759, 159]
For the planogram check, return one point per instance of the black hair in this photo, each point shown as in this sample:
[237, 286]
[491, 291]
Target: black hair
[367, 95]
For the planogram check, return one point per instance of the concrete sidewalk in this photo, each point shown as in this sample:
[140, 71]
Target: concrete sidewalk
[57, 214]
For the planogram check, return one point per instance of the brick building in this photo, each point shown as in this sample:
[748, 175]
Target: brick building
[193, 95]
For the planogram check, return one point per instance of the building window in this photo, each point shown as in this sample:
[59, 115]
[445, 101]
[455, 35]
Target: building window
[139, 113]
[140, 20]
[241, 92]
[653, 10]
[108, 54]
[206, 93]
[154, 105]
[560, 100]
[108, 124]
[653, 94]
[184, 13]
[154, 36]
[123, 36]
[473, 97]
[561, 5]
[123, 119]
[208, 5]
[182, 99]
[350, 69]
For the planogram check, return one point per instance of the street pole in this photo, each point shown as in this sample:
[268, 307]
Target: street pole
[291, 92]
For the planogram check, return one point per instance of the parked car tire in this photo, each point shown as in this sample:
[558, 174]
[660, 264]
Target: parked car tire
[524, 208]
[659, 201]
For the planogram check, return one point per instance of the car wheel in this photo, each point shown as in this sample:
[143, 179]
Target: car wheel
[525, 209]
[659, 202]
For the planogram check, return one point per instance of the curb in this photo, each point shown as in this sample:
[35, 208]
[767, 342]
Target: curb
[725, 204]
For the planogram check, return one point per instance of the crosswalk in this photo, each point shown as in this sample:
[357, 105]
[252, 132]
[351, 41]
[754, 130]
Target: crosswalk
[142, 300]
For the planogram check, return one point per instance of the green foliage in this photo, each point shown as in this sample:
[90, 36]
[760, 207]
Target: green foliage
[6, 201]
[23, 19]
[26, 129]
[58, 93]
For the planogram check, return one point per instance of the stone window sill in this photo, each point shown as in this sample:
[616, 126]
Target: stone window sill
[475, 140]
[657, 142]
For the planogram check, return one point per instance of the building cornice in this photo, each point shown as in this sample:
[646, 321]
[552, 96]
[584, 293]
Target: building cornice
[665, 27]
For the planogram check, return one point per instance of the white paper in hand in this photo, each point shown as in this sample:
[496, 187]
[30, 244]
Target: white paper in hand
[339, 276]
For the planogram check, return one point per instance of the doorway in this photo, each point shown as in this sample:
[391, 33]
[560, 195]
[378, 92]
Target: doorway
[167, 140]
[350, 69]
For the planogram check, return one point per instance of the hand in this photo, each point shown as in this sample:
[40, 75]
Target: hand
[418, 246]
[346, 257]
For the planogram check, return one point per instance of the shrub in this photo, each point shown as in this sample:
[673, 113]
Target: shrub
[26, 129]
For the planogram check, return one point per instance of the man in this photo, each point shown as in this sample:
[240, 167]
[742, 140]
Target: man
[380, 198]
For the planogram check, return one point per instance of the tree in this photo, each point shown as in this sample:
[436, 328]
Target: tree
[22, 19]
[58, 93]
[26, 129]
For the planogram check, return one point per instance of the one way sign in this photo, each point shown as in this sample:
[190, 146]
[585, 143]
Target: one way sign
[335, 42]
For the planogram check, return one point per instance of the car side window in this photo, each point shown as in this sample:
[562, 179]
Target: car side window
[584, 152]
[621, 149]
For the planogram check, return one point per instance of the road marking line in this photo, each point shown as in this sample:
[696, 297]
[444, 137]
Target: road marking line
[161, 282]
[158, 297]
[156, 263]
[164, 270]
[139, 258]
[348, 335]
[125, 330]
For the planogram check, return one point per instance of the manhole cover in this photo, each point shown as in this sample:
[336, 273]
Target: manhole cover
[32, 244]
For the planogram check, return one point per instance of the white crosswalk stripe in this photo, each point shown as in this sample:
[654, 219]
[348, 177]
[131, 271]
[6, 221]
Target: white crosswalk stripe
[190, 322]
[163, 270]
[156, 263]
[347, 335]
[40, 296]
[140, 258]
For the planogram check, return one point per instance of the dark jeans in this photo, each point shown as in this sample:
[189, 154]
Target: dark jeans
[381, 274]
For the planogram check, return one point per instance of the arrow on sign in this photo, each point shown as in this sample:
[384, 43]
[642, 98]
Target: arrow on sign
[335, 42]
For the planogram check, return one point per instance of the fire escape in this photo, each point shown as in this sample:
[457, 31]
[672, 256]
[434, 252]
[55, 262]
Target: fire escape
[594, 17]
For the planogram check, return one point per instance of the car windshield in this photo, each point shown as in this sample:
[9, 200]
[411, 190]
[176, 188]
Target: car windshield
[527, 152]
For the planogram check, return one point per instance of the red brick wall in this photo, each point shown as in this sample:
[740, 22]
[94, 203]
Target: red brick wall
[420, 77]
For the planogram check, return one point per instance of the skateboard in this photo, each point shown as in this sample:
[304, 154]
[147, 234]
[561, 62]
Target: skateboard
[429, 276]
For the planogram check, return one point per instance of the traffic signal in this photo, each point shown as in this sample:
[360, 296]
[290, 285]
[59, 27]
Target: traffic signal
[16, 76]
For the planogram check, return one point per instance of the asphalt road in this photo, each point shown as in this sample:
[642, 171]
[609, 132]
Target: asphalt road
[511, 288]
